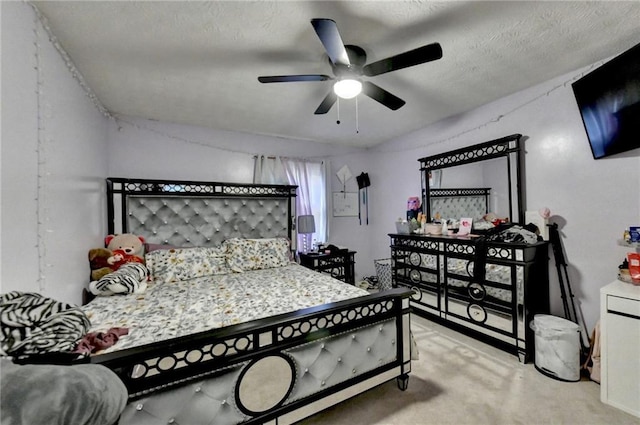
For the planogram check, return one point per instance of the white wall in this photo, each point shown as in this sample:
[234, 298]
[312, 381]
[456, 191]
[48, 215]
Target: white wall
[152, 149]
[53, 164]
[592, 201]
[352, 232]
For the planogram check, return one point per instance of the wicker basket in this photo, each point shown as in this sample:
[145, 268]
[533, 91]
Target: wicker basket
[383, 270]
[406, 227]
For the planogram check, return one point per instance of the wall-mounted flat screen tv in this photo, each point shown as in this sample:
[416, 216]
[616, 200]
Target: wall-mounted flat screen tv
[609, 102]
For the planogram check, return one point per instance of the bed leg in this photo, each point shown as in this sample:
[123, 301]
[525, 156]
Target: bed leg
[403, 381]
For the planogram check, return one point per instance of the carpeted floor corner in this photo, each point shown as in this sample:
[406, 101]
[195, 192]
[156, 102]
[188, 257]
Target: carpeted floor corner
[459, 380]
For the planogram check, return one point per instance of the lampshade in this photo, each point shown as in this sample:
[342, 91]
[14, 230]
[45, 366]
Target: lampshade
[347, 88]
[306, 224]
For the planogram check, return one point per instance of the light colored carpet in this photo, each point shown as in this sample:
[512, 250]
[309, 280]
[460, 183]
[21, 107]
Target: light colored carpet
[459, 380]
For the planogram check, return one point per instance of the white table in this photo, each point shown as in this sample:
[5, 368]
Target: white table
[620, 346]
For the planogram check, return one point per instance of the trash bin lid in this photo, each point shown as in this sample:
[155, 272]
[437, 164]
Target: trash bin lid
[548, 322]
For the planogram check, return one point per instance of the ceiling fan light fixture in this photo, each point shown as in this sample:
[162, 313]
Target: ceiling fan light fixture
[347, 88]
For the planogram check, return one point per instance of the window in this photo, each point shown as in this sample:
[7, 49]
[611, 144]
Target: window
[310, 177]
[311, 197]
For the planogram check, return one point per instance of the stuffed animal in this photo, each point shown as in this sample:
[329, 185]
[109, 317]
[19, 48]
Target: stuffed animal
[99, 262]
[118, 268]
[120, 258]
[130, 244]
[130, 278]
[413, 208]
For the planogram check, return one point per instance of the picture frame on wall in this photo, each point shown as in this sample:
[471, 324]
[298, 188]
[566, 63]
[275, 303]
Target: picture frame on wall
[435, 177]
[345, 204]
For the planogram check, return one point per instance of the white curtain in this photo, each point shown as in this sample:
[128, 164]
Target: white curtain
[311, 197]
[268, 170]
[310, 177]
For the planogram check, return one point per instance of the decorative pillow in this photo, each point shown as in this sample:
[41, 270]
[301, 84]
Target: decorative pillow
[170, 265]
[256, 254]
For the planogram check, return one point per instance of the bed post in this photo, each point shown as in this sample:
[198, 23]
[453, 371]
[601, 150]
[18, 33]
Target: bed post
[110, 208]
[403, 379]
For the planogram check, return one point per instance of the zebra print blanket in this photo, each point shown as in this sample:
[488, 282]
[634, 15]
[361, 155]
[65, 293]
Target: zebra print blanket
[32, 324]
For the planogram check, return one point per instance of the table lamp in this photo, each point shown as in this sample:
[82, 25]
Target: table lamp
[306, 226]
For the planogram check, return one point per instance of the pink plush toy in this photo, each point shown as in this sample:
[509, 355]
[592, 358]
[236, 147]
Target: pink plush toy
[120, 258]
[544, 212]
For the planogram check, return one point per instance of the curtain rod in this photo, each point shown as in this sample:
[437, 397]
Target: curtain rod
[287, 157]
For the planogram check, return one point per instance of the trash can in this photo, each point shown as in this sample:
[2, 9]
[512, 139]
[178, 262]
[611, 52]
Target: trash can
[383, 270]
[557, 347]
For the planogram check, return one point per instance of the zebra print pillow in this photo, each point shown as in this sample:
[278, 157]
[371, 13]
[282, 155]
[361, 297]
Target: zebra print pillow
[34, 324]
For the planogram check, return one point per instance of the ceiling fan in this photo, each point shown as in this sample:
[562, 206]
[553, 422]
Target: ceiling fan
[348, 63]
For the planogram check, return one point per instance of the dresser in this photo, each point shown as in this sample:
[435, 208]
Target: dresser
[339, 264]
[620, 346]
[490, 291]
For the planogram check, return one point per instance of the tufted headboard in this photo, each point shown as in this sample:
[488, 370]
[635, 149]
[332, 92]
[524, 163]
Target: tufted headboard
[458, 203]
[190, 213]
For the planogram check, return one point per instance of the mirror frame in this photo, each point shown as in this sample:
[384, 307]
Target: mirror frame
[509, 147]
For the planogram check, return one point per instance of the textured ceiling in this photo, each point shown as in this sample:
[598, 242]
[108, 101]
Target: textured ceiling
[198, 62]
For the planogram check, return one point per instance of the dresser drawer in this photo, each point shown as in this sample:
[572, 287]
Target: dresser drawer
[623, 305]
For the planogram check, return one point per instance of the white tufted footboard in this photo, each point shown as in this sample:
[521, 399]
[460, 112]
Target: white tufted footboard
[305, 377]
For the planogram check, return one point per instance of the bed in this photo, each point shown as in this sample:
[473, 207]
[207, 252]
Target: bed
[225, 347]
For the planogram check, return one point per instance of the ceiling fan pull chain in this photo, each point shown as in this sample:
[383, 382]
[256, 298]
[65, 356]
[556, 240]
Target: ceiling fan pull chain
[338, 109]
[357, 126]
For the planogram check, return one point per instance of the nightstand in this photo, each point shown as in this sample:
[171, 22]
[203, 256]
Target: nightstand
[339, 264]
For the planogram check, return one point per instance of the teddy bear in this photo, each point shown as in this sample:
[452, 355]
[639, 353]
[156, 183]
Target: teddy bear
[103, 261]
[119, 268]
[130, 245]
[99, 262]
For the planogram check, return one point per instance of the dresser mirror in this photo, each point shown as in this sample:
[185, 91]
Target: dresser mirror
[476, 180]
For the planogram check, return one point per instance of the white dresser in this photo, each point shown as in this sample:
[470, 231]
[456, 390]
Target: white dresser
[620, 346]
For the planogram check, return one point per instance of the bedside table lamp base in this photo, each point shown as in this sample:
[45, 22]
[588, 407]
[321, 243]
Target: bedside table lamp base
[306, 226]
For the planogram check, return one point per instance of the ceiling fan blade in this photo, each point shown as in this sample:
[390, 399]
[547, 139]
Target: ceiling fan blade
[381, 95]
[327, 103]
[423, 54]
[327, 31]
[293, 78]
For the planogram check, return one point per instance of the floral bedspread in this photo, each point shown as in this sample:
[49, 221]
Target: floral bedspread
[169, 310]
